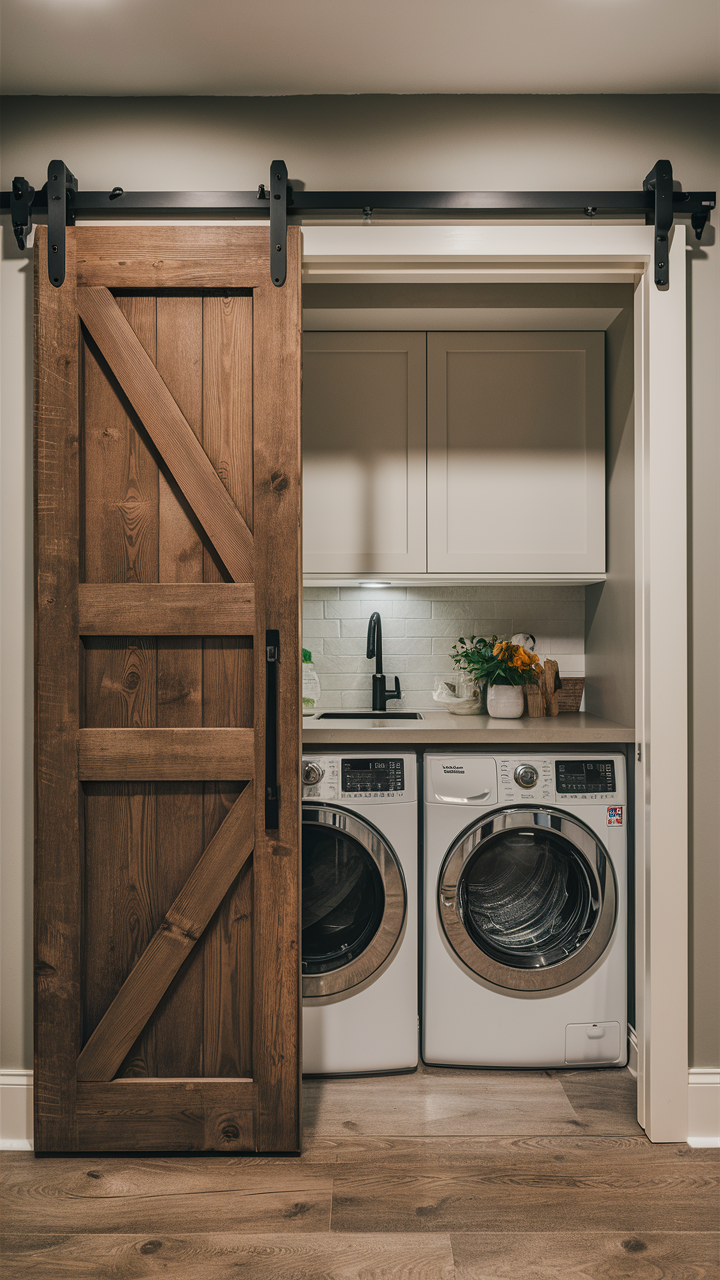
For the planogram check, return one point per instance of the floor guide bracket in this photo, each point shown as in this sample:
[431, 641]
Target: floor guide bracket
[61, 200]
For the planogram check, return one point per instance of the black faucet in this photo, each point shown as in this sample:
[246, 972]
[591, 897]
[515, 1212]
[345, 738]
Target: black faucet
[380, 694]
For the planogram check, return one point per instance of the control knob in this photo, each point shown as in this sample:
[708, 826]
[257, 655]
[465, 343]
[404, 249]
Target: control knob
[526, 775]
[312, 773]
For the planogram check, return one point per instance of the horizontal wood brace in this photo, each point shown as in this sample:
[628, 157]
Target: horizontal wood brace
[166, 609]
[166, 755]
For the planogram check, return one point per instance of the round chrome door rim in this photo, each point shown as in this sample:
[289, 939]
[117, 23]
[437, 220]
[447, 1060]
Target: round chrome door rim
[393, 917]
[597, 862]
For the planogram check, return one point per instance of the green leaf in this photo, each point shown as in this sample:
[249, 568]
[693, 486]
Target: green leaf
[306, 655]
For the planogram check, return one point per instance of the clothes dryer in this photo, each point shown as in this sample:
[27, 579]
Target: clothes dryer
[359, 913]
[525, 906]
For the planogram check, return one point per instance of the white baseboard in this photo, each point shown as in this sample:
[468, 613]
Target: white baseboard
[16, 1110]
[632, 1052]
[16, 1117]
[704, 1108]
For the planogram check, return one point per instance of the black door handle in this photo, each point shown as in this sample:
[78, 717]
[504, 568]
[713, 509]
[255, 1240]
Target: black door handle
[272, 789]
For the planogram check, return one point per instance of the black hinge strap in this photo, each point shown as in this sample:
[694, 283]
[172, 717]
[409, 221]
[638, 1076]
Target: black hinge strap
[272, 789]
[60, 188]
[278, 222]
[660, 180]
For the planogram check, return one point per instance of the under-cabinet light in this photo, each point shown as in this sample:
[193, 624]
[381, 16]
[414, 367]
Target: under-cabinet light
[374, 584]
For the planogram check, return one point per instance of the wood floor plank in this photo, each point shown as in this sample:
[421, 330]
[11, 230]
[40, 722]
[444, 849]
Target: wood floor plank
[421, 1105]
[316, 1256]
[576, 1195]
[173, 1194]
[488, 1151]
[605, 1101]
[611, 1255]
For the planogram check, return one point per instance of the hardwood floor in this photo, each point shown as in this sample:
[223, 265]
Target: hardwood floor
[443, 1175]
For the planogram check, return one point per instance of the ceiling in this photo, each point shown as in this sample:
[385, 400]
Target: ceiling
[248, 47]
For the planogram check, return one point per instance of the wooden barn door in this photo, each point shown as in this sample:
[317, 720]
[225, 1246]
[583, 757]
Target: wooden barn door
[168, 693]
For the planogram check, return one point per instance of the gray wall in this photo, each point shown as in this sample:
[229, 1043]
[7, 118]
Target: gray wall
[493, 143]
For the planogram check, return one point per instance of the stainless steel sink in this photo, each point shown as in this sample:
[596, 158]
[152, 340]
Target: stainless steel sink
[369, 715]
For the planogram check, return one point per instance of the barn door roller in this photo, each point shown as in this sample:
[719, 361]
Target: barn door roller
[660, 181]
[62, 202]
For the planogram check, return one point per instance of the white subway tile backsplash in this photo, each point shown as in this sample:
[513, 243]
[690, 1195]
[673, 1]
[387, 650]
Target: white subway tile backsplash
[313, 628]
[420, 625]
[342, 609]
[321, 593]
[313, 609]
[412, 608]
[463, 625]
[358, 627]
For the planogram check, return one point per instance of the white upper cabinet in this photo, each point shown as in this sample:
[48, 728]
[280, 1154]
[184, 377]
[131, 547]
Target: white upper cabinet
[364, 453]
[500, 470]
[516, 453]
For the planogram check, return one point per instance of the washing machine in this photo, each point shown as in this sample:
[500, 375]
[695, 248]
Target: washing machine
[525, 903]
[359, 913]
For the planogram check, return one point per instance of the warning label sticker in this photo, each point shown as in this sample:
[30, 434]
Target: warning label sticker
[615, 815]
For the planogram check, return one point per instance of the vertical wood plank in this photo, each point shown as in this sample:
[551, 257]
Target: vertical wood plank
[57, 800]
[276, 922]
[228, 680]
[173, 1036]
[120, 472]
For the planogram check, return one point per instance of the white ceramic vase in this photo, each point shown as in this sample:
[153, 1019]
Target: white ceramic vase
[505, 701]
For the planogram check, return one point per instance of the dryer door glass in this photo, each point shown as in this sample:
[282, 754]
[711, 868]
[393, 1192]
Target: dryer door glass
[342, 899]
[528, 899]
[354, 901]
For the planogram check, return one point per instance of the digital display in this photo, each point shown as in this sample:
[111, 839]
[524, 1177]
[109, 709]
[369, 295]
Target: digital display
[373, 775]
[584, 776]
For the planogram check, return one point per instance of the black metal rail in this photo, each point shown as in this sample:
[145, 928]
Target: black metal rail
[657, 202]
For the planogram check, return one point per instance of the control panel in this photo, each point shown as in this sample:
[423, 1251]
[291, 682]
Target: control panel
[585, 777]
[526, 781]
[359, 778]
[552, 780]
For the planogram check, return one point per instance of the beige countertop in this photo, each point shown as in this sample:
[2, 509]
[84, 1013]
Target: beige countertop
[442, 727]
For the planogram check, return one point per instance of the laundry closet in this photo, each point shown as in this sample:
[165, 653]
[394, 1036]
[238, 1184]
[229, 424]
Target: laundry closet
[468, 456]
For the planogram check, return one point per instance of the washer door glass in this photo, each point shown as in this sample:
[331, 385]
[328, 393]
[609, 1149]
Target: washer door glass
[528, 898]
[342, 899]
[354, 900]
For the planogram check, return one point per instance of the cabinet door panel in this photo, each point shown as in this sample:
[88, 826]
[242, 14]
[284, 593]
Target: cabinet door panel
[516, 453]
[364, 453]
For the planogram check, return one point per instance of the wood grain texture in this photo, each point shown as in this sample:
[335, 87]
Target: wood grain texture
[173, 1114]
[276, 861]
[166, 609]
[165, 754]
[163, 257]
[309, 1256]
[183, 924]
[119, 472]
[611, 1255]
[423, 1105]
[169, 430]
[57, 705]
[131, 1195]
[671, 1196]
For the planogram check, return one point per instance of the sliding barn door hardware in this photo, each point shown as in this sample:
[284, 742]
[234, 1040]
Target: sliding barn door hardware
[660, 181]
[60, 199]
[61, 188]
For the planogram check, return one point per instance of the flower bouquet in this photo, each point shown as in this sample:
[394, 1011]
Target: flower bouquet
[504, 666]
